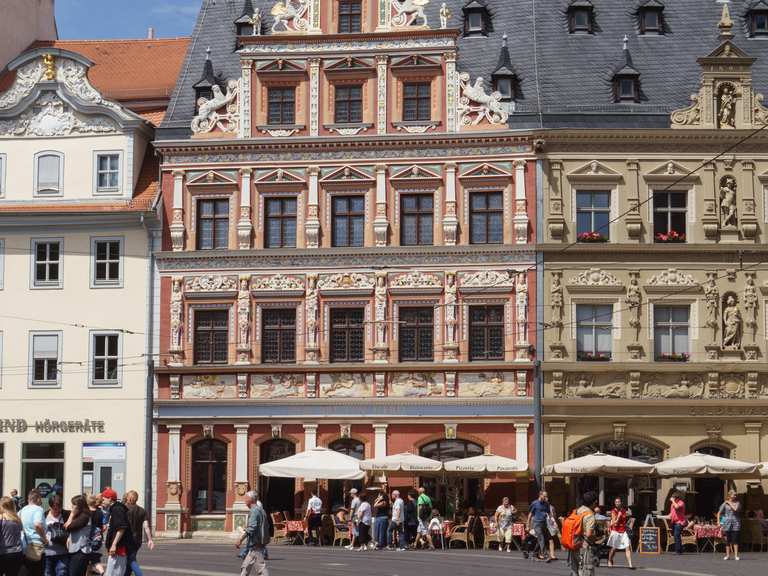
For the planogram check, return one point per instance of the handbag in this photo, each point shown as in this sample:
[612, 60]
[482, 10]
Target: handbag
[34, 552]
[552, 525]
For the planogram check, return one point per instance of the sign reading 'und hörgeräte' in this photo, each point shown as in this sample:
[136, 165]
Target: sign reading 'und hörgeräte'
[47, 426]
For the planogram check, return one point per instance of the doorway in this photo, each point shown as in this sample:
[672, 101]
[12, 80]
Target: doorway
[338, 490]
[277, 494]
[709, 493]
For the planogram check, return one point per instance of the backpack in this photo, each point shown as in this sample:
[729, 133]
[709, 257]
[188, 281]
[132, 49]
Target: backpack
[573, 530]
[260, 536]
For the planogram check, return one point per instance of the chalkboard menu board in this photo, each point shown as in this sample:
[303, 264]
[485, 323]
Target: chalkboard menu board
[650, 540]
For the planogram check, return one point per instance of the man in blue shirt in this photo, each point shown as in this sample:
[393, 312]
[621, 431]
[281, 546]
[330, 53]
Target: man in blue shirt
[33, 521]
[537, 519]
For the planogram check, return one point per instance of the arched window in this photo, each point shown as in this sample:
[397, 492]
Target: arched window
[632, 449]
[277, 494]
[447, 450]
[455, 495]
[338, 490]
[714, 451]
[348, 446]
[209, 477]
[49, 173]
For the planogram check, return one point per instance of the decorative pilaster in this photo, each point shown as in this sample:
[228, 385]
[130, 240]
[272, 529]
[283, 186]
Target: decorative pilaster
[310, 436]
[380, 223]
[380, 440]
[311, 313]
[451, 92]
[709, 220]
[380, 382]
[633, 219]
[451, 347]
[244, 320]
[557, 451]
[314, 95]
[556, 220]
[240, 510]
[522, 345]
[244, 225]
[384, 10]
[314, 17]
[312, 226]
[242, 386]
[748, 218]
[521, 443]
[173, 484]
[450, 384]
[175, 383]
[450, 220]
[520, 221]
[177, 218]
[244, 98]
[381, 91]
[380, 348]
[176, 348]
[753, 452]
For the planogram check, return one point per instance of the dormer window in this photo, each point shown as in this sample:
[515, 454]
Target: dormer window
[626, 88]
[580, 17]
[504, 87]
[758, 21]
[651, 20]
[477, 20]
[244, 25]
[504, 76]
[204, 87]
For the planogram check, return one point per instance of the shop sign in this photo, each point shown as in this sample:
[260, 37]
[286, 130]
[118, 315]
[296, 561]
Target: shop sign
[47, 426]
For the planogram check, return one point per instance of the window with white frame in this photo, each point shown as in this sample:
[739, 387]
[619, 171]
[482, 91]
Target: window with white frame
[45, 352]
[107, 261]
[46, 271]
[670, 333]
[594, 332]
[105, 359]
[669, 216]
[108, 172]
[593, 215]
[49, 172]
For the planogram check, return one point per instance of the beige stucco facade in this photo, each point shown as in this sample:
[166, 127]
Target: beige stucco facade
[23, 22]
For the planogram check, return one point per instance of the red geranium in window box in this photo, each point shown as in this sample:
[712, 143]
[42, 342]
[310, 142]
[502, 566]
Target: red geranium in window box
[592, 237]
[669, 238]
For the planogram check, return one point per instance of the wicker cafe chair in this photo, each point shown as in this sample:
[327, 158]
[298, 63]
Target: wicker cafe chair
[278, 523]
[488, 536]
[752, 531]
[463, 533]
[340, 534]
[687, 536]
[327, 529]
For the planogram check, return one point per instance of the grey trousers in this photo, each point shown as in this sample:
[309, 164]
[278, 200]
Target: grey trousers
[581, 561]
[254, 564]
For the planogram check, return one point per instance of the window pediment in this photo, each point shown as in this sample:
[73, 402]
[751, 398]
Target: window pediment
[670, 172]
[416, 64]
[486, 170]
[416, 173]
[280, 177]
[594, 172]
[351, 66]
[346, 175]
[212, 178]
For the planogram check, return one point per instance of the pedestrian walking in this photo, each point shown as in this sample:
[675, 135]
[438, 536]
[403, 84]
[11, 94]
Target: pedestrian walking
[537, 521]
[11, 557]
[33, 521]
[314, 518]
[137, 518]
[505, 518]
[364, 518]
[80, 528]
[424, 510]
[579, 535]
[678, 519]
[97, 533]
[56, 554]
[257, 538]
[729, 518]
[396, 530]
[354, 504]
[380, 520]
[411, 518]
[119, 540]
[618, 539]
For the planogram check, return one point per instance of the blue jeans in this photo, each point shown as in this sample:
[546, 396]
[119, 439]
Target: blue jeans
[380, 524]
[401, 537]
[677, 530]
[133, 565]
[57, 565]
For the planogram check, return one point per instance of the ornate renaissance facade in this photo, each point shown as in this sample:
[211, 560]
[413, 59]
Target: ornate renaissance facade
[349, 255]
[655, 275]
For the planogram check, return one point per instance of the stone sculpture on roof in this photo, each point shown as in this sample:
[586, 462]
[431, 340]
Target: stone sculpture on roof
[209, 115]
[406, 12]
[476, 105]
[291, 14]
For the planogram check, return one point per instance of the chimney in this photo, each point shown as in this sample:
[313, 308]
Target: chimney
[151, 33]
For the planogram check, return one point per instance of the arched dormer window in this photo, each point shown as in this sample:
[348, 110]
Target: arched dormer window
[651, 17]
[477, 19]
[581, 17]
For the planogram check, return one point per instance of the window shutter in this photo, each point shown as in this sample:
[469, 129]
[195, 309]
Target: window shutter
[45, 346]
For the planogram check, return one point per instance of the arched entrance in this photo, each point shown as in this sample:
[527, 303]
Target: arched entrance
[277, 494]
[339, 489]
[455, 493]
[708, 493]
[641, 492]
[209, 477]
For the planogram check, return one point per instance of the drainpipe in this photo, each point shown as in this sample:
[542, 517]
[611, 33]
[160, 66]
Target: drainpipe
[150, 371]
[538, 427]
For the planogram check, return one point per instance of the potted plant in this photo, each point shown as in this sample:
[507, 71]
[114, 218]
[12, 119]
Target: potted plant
[592, 237]
[669, 238]
[676, 357]
[594, 356]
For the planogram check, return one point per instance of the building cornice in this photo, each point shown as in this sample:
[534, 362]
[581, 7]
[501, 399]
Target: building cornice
[352, 367]
[651, 366]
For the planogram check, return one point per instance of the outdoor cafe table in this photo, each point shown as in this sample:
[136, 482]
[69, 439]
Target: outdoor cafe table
[296, 528]
[709, 534]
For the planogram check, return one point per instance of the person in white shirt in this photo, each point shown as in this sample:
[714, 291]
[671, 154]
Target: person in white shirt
[397, 523]
[505, 517]
[353, 506]
[314, 518]
[364, 518]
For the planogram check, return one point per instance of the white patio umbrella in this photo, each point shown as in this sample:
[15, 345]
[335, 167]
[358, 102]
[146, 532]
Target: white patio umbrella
[315, 463]
[404, 462]
[485, 465]
[598, 464]
[698, 464]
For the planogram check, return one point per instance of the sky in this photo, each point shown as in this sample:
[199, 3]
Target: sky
[88, 19]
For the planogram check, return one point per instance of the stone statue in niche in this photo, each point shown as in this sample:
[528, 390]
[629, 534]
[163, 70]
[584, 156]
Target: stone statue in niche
[450, 307]
[732, 323]
[634, 299]
[712, 303]
[244, 313]
[311, 305]
[750, 304]
[728, 215]
[726, 107]
[556, 301]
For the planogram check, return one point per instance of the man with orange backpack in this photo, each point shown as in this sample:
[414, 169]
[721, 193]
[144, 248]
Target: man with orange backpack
[578, 535]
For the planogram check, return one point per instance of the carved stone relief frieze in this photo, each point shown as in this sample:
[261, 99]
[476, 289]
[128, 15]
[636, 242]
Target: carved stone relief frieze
[267, 386]
[416, 385]
[487, 384]
[277, 282]
[346, 281]
[209, 387]
[595, 278]
[210, 283]
[486, 279]
[416, 280]
[345, 385]
[603, 386]
[51, 116]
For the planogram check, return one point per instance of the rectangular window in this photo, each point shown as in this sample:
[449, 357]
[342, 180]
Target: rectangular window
[212, 224]
[348, 220]
[594, 331]
[581, 20]
[593, 215]
[48, 175]
[106, 262]
[105, 359]
[474, 21]
[486, 214]
[347, 335]
[47, 265]
[349, 104]
[670, 333]
[107, 172]
[416, 334]
[417, 216]
[45, 359]
[650, 21]
[669, 216]
[350, 12]
[278, 336]
[486, 333]
[417, 102]
[282, 106]
[42, 468]
[759, 23]
[211, 336]
[280, 224]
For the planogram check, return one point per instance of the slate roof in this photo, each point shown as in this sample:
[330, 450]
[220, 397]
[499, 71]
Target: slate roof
[564, 79]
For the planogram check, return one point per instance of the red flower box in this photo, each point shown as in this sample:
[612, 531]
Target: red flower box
[591, 237]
